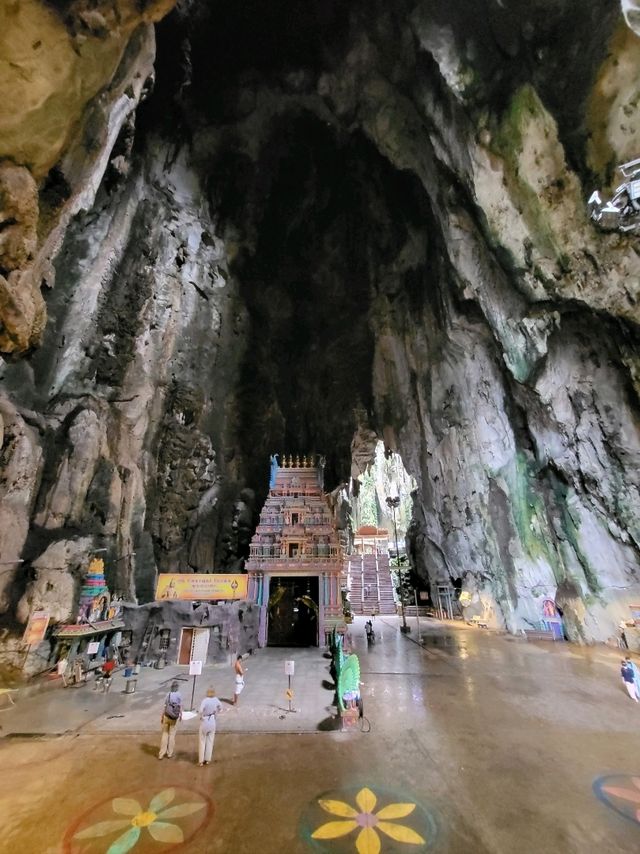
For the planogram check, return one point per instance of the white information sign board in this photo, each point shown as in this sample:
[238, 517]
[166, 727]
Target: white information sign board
[289, 667]
[195, 668]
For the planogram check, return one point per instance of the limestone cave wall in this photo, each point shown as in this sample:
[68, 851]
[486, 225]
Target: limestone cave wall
[266, 229]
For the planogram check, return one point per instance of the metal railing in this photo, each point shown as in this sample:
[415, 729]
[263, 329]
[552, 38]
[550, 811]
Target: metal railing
[275, 553]
[299, 560]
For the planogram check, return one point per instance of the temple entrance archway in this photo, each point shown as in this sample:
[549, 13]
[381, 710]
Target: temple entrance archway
[292, 619]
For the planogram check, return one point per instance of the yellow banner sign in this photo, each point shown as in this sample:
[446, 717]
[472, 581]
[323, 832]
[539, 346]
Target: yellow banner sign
[36, 628]
[201, 585]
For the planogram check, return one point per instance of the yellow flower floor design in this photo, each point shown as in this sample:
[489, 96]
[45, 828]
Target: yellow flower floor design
[368, 822]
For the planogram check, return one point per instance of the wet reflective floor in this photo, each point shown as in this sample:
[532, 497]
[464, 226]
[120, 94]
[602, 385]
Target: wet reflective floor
[475, 743]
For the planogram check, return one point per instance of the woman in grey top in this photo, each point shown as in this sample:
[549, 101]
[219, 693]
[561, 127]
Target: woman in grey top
[209, 708]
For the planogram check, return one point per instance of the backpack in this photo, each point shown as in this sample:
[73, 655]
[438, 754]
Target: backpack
[172, 706]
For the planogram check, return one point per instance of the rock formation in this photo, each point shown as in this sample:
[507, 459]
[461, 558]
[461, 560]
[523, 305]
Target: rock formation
[326, 221]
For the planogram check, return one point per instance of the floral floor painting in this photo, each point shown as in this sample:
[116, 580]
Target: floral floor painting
[621, 793]
[368, 820]
[480, 769]
[144, 821]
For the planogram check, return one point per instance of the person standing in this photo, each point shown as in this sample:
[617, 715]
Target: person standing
[107, 673]
[628, 678]
[171, 714]
[368, 627]
[239, 671]
[61, 667]
[636, 673]
[209, 708]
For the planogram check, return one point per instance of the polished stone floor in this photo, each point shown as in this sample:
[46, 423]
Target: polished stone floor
[476, 743]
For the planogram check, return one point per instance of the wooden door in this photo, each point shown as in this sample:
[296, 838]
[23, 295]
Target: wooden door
[184, 653]
[200, 645]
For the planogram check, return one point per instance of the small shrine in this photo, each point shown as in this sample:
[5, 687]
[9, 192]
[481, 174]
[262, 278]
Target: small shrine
[99, 622]
[295, 560]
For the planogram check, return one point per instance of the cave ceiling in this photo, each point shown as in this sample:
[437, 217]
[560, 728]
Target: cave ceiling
[230, 230]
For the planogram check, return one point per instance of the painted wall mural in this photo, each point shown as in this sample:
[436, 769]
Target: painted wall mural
[620, 792]
[141, 821]
[359, 819]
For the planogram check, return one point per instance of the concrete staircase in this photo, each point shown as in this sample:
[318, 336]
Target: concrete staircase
[369, 584]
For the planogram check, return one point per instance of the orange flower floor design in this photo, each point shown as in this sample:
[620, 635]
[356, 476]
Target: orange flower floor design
[140, 821]
[366, 820]
[620, 792]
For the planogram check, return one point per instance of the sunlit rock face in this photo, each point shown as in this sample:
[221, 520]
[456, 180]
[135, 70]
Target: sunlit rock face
[71, 74]
[325, 222]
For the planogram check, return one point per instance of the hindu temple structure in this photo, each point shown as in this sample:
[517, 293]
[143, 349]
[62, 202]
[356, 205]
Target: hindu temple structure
[295, 560]
[99, 623]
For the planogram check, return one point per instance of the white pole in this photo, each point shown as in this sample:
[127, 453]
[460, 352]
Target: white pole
[415, 597]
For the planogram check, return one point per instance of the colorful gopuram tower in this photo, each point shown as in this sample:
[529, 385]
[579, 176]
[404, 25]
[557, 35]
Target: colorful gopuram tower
[94, 594]
[295, 559]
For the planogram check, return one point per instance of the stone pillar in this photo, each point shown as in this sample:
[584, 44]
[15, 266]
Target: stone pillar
[262, 627]
[264, 603]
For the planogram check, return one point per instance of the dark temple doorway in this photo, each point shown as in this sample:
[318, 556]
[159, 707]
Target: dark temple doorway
[293, 616]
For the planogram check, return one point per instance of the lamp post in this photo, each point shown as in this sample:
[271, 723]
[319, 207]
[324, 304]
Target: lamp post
[393, 503]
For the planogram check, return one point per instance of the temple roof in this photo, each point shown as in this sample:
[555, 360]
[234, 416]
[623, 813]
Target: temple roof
[371, 531]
